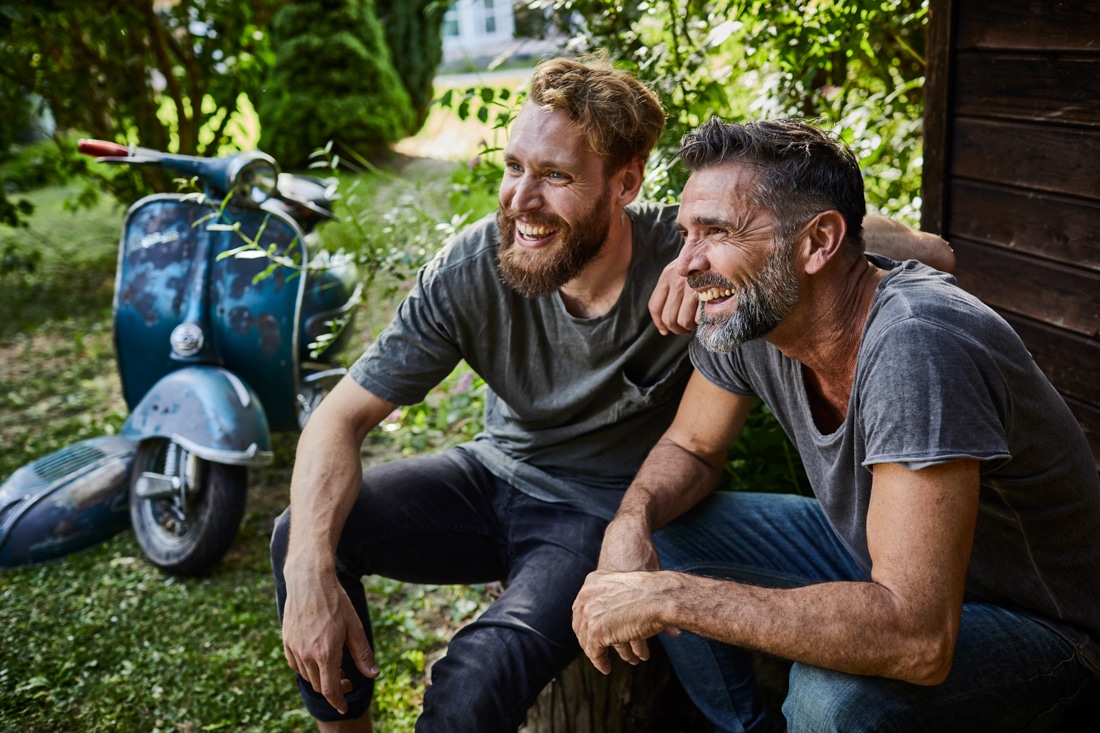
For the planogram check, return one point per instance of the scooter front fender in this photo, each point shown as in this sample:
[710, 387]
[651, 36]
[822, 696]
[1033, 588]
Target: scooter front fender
[208, 411]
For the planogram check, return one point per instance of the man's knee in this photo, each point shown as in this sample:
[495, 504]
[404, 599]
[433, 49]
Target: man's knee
[826, 701]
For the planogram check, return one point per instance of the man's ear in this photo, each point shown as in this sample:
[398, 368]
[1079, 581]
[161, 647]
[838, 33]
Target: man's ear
[626, 184]
[824, 235]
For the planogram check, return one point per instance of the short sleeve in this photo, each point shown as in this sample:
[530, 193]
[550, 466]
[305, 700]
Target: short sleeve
[929, 394]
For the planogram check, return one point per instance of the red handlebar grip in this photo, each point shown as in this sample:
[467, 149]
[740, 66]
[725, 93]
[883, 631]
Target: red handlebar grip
[102, 149]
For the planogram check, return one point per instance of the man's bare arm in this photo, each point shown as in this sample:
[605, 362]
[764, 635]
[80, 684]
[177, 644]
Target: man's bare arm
[891, 238]
[672, 479]
[318, 618]
[902, 624]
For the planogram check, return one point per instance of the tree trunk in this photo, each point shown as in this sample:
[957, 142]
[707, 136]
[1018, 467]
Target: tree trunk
[643, 699]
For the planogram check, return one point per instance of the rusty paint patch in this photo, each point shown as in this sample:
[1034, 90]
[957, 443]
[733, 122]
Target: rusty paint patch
[271, 337]
[241, 320]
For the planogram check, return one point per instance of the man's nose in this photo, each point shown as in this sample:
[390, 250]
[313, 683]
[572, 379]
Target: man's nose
[692, 259]
[527, 194]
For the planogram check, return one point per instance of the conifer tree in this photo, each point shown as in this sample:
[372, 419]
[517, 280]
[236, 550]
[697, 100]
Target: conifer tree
[414, 33]
[333, 80]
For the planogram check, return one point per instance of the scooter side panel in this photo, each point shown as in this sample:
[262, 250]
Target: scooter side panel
[255, 313]
[161, 249]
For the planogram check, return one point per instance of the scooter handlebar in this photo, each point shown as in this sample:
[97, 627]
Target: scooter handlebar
[102, 149]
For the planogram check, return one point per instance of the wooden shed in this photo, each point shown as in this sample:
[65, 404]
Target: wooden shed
[1012, 174]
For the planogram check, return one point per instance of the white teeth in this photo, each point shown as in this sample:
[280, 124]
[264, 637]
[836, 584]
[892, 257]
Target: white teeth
[534, 232]
[714, 294]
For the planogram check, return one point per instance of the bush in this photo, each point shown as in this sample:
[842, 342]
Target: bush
[414, 34]
[333, 80]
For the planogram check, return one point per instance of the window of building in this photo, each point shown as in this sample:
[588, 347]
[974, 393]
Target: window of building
[450, 21]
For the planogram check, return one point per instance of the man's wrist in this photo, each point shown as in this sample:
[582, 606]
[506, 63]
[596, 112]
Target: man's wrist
[310, 561]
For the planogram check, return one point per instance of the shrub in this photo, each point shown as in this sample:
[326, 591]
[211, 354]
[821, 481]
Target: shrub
[333, 80]
[414, 34]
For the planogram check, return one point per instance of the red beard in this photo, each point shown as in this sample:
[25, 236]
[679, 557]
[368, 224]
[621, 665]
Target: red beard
[533, 273]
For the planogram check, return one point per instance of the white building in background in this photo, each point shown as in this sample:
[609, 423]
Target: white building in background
[477, 29]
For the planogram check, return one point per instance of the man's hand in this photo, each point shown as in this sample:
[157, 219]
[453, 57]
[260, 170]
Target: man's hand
[318, 621]
[627, 547]
[673, 306]
[615, 610]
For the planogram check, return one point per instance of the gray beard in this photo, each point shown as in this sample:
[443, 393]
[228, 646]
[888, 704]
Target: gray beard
[761, 305]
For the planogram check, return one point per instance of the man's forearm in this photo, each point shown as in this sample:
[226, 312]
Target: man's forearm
[328, 470]
[325, 482]
[858, 628]
[670, 481]
[897, 241]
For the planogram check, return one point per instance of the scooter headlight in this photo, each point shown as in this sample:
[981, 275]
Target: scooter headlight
[253, 177]
[186, 339]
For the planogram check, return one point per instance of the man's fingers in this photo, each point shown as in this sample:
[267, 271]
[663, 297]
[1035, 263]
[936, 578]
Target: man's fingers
[361, 651]
[689, 313]
[626, 652]
[658, 303]
[330, 680]
[640, 647]
[601, 661]
[291, 659]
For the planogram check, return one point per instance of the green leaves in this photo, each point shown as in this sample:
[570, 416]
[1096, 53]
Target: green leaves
[854, 64]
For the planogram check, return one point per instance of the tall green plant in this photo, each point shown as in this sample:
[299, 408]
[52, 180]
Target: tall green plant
[414, 35]
[333, 80]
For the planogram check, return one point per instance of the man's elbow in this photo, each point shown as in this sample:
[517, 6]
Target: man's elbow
[944, 259]
[928, 659]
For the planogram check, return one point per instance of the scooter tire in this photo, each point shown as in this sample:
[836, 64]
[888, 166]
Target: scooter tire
[186, 537]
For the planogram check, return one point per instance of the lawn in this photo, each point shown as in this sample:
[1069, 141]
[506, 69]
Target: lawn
[101, 640]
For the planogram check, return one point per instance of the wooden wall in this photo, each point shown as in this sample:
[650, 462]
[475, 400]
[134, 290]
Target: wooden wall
[1012, 174]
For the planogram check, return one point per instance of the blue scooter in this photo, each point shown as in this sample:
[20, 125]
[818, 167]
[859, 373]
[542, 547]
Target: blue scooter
[226, 328]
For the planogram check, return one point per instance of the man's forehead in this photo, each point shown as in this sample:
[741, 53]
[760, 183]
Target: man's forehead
[548, 135]
[534, 124]
[729, 181]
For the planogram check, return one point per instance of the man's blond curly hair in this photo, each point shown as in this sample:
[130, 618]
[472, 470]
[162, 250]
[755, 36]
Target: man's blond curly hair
[619, 117]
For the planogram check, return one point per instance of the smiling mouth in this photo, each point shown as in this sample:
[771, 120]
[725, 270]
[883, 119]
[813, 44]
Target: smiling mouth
[534, 233]
[708, 295]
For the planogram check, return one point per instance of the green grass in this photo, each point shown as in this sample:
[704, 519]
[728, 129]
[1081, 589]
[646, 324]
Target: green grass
[62, 266]
[100, 640]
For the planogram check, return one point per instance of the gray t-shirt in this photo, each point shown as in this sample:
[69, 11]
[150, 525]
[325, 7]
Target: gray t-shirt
[940, 376]
[573, 404]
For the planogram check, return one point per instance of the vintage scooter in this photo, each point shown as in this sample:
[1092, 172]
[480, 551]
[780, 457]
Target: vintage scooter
[226, 328]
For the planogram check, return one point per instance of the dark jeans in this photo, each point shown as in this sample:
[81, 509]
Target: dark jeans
[445, 519]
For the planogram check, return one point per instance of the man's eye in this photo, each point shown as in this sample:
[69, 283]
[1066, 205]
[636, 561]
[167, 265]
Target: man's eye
[556, 175]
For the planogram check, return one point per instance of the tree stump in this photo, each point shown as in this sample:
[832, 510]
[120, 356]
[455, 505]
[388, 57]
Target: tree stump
[643, 699]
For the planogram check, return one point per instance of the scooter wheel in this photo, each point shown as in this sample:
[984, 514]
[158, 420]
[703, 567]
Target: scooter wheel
[185, 510]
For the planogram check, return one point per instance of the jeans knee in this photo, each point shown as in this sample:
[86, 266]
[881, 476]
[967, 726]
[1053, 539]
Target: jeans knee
[824, 701]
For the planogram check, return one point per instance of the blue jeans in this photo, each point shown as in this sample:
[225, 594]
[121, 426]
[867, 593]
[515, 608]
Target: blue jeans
[445, 519]
[1010, 673]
